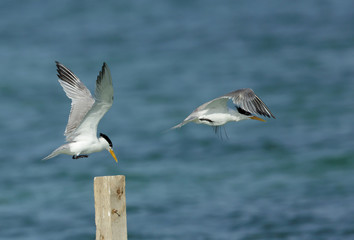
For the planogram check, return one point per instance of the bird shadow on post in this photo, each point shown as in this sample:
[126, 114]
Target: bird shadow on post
[110, 208]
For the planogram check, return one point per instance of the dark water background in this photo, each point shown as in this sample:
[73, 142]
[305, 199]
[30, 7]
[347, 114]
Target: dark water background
[289, 178]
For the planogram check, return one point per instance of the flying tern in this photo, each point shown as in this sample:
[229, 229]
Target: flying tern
[217, 113]
[85, 114]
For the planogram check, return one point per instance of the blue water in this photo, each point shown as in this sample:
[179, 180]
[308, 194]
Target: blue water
[289, 178]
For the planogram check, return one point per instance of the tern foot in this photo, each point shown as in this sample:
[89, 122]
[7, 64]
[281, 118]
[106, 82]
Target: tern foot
[79, 156]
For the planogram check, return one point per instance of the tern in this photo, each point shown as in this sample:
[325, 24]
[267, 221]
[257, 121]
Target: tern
[217, 112]
[85, 114]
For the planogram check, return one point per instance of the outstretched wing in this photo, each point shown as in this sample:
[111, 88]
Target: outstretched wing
[81, 99]
[104, 101]
[248, 101]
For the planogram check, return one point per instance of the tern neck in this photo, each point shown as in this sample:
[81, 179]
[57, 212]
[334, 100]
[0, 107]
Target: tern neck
[103, 143]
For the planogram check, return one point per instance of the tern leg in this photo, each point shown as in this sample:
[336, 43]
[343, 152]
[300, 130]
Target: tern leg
[79, 156]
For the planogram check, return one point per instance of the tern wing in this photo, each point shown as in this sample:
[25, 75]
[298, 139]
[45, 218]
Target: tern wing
[82, 100]
[248, 101]
[219, 103]
[104, 101]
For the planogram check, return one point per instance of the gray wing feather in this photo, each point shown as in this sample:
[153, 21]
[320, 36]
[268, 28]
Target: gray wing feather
[82, 100]
[247, 100]
[104, 101]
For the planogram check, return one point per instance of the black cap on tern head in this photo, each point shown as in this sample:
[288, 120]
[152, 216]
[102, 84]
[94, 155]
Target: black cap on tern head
[107, 139]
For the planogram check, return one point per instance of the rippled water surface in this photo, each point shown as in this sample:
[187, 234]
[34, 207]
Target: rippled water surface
[288, 178]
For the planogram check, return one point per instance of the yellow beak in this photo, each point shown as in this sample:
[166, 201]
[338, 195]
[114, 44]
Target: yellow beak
[257, 118]
[113, 155]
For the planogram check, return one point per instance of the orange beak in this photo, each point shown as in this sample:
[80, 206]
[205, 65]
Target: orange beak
[257, 118]
[113, 155]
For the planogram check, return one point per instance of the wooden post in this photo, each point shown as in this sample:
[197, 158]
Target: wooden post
[110, 208]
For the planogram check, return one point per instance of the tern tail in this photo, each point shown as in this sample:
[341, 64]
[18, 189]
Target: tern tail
[185, 121]
[177, 126]
[62, 149]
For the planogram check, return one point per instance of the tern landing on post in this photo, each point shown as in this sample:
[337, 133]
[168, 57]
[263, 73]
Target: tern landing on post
[85, 114]
[216, 112]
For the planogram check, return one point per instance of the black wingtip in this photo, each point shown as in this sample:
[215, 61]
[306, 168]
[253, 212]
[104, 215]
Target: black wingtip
[102, 72]
[65, 74]
[104, 66]
[58, 64]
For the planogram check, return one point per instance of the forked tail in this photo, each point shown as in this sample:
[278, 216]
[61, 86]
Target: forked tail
[178, 125]
[59, 150]
[185, 121]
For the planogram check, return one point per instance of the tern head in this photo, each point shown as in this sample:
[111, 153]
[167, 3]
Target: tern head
[109, 146]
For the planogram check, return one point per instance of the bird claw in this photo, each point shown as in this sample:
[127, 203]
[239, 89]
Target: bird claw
[79, 156]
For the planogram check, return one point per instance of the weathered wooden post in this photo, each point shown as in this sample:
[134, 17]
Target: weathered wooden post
[110, 208]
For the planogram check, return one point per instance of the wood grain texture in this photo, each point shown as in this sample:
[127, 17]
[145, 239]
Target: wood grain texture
[110, 208]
